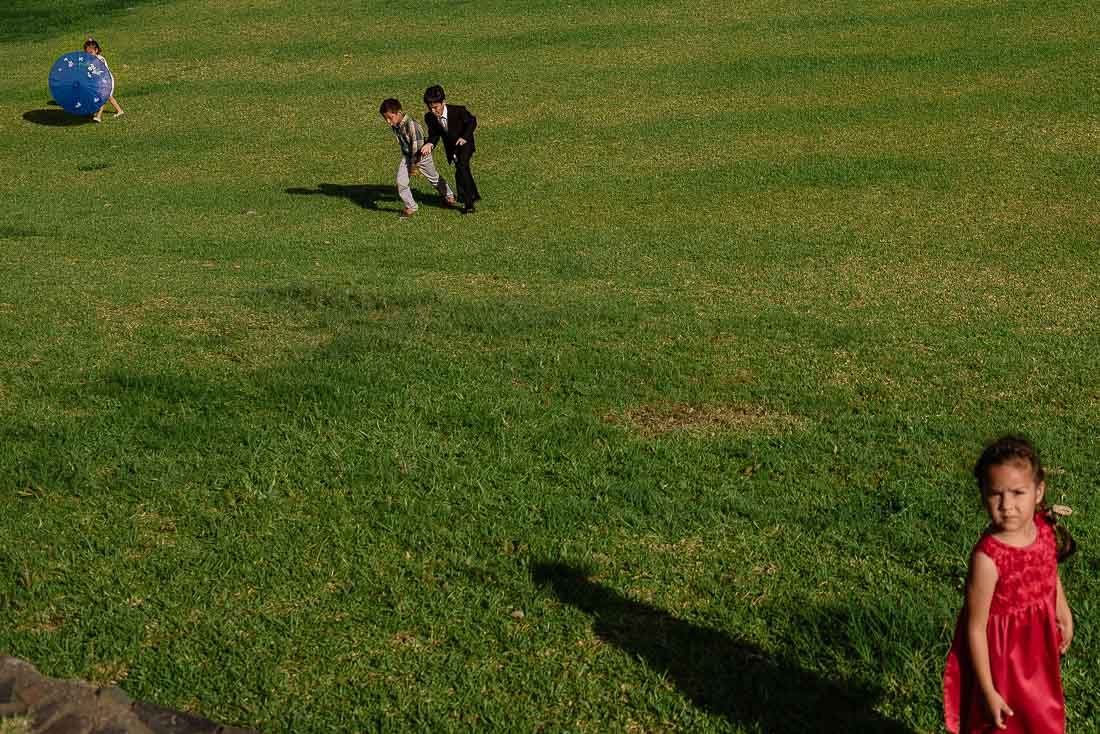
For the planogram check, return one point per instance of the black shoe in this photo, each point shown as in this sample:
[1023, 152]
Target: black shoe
[467, 210]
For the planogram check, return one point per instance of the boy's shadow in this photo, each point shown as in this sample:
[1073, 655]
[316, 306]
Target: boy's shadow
[722, 675]
[366, 196]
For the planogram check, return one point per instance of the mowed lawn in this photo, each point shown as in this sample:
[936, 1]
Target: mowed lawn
[674, 434]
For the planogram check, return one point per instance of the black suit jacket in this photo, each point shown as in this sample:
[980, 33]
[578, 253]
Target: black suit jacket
[460, 124]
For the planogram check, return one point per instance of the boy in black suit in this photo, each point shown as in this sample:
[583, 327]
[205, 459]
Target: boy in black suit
[455, 125]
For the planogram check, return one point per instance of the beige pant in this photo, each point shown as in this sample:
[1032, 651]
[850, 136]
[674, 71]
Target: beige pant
[426, 166]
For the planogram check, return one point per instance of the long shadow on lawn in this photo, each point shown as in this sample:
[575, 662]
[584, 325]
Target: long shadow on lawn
[725, 676]
[22, 20]
[365, 196]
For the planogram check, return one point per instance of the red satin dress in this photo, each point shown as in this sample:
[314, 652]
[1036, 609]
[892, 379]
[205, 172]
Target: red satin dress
[1023, 645]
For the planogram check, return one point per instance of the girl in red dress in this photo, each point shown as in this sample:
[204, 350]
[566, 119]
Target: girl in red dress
[1003, 671]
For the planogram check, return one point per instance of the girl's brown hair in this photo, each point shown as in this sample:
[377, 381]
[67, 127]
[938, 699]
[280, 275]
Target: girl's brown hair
[1006, 450]
[1009, 449]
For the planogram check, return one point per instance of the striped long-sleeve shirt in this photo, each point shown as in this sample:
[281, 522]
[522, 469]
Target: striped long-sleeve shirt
[411, 137]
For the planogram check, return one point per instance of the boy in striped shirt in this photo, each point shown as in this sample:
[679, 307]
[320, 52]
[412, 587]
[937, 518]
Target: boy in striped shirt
[410, 135]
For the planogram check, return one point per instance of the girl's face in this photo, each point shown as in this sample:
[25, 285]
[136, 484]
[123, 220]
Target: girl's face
[1012, 496]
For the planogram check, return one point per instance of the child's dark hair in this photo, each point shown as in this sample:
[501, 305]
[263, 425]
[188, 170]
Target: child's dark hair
[92, 42]
[434, 94]
[1009, 449]
[1006, 450]
[389, 105]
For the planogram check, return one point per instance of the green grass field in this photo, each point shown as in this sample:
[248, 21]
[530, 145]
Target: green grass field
[674, 434]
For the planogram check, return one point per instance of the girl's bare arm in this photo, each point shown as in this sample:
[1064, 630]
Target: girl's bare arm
[980, 583]
[1064, 617]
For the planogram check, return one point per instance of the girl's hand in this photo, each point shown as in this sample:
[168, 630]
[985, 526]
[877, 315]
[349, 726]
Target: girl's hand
[1064, 618]
[998, 709]
[1065, 629]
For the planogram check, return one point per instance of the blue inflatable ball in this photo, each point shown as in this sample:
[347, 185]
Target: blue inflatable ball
[80, 83]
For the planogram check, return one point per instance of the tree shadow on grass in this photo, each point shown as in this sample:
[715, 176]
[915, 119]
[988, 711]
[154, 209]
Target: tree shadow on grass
[27, 20]
[365, 196]
[55, 118]
[724, 676]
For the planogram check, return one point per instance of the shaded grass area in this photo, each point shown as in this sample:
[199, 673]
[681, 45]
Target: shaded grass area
[674, 435]
[29, 19]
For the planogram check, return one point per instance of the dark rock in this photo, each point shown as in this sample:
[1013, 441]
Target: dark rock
[47, 711]
[69, 724]
[36, 691]
[74, 707]
[113, 696]
[16, 708]
[10, 704]
[168, 721]
[17, 674]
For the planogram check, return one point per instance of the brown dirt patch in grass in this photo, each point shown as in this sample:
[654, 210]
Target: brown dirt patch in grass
[651, 421]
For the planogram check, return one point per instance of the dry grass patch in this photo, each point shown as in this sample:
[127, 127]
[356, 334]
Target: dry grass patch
[472, 284]
[684, 547]
[134, 314]
[109, 673]
[153, 530]
[44, 621]
[15, 725]
[652, 421]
